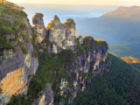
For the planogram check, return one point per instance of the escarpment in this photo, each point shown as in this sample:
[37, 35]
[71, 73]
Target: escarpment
[61, 36]
[39, 27]
[17, 62]
[48, 65]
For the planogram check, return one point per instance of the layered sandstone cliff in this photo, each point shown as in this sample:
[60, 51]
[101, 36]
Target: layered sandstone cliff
[39, 27]
[81, 59]
[17, 62]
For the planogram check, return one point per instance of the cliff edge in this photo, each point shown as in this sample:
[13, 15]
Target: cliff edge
[41, 65]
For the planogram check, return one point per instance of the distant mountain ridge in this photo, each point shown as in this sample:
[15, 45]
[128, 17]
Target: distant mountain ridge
[132, 13]
[120, 28]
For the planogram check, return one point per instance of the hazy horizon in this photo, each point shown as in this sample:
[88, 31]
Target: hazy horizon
[76, 12]
[80, 2]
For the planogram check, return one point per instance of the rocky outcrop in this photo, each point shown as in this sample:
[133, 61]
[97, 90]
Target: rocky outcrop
[47, 98]
[127, 13]
[39, 27]
[17, 63]
[70, 34]
[81, 71]
[80, 39]
[82, 59]
[56, 34]
[62, 36]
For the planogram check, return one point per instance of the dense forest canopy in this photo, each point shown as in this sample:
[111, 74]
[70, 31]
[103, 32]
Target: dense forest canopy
[119, 86]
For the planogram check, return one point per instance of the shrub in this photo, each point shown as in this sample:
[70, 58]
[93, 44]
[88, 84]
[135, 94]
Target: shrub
[16, 28]
[67, 57]
[24, 50]
[47, 41]
[23, 25]
[6, 30]
[16, 36]
[5, 44]
[17, 22]
[45, 74]
[20, 100]
[35, 54]
[80, 49]
[19, 43]
[25, 38]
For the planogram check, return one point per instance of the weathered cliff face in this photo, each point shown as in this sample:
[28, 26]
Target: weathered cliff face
[56, 34]
[80, 59]
[81, 71]
[39, 27]
[17, 61]
[62, 36]
[70, 34]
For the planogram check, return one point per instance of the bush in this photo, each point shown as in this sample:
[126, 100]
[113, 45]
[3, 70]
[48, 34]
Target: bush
[6, 30]
[67, 57]
[16, 28]
[19, 43]
[5, 44]
[17, 22]
[24, 50]
[80, 49]
[25, 38]
[120, 86]
[35, 54]
[45, 74]
[23, 25]
[20, 100]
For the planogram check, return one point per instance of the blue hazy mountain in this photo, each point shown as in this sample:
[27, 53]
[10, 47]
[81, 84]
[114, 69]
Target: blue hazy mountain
[120, 28]
[77, 12]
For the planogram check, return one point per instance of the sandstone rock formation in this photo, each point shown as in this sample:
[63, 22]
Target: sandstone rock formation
[80, 39]
[18, 67]
[83, 69]
[56, 34]
[39, 27]
[62, 36]
[70, 33]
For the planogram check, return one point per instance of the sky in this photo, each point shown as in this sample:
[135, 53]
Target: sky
[81, 2]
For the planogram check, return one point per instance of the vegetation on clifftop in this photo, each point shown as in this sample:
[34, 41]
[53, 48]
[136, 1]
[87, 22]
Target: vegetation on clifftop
[11, 22]
[131, 60]
[120, 86]
[49, 69]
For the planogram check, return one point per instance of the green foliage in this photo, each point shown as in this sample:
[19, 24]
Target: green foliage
[4, 22]
[79, 49]
[17, 22]
[89, 43]
[0, 89]
[125, 49]
[5, 44]
[20, 100]
[19, 43]
[35, 53]
[6, 30]
[47, 41]
[25, 38]
[34, 37]
[23, 25]
[119, 86]
[24, 50]
[16, 28]
[67, 57]
[48, 65]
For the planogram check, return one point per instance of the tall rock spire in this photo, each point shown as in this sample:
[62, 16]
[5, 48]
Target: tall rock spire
[56, 32]
[39, 27]
[70, 33]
